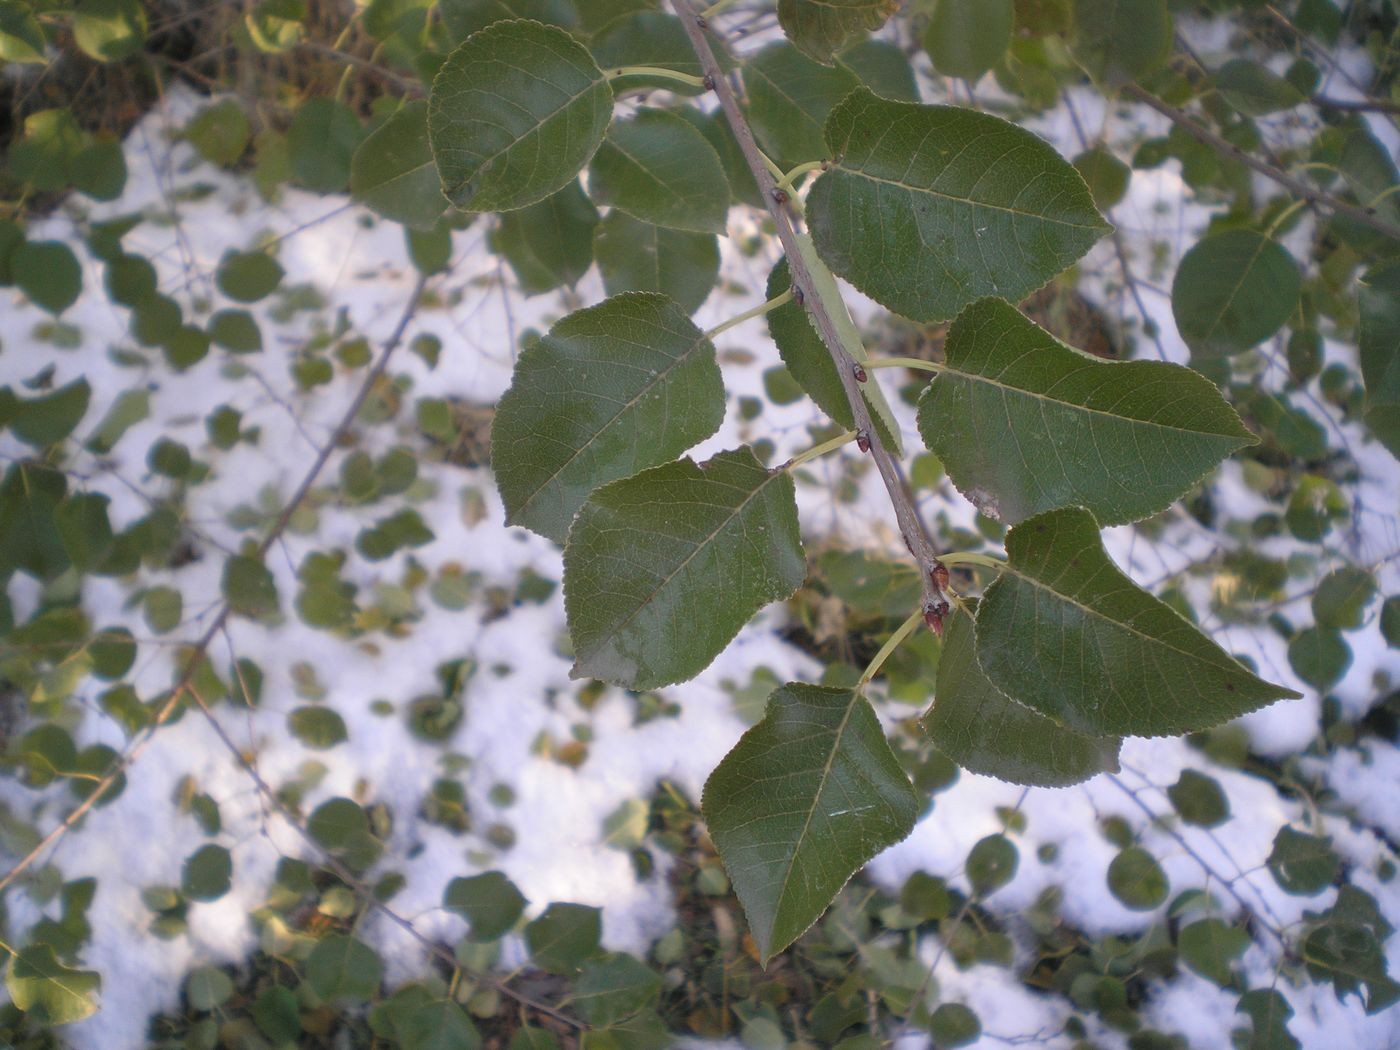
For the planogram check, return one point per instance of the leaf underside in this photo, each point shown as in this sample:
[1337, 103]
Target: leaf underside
[820, 28]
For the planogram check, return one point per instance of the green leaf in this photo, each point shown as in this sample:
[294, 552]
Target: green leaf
[47, 420]
[550, 243]
[1065, 632]
[84, 529]
[636, 256]
[1390, 621]
[465, 17]
[1119, 41]
[1269, 1011]
[220, 133]
[438, 1025]
[989, 210]
[246, 277]
[790, 97]
[992, 864]
[611, 390]
[613, 988]
[318, 728]
[100, 170]
[1255, 90]
[130, 407]
[1199, 799]
[965, 38]
[249, 588]
[1106, 176]
[48, 273]
[109, 30]
[490, 902]
[1302, 864]
[393, 172]
[48, 991]
[343, 968]
[810, 364]
[1025, 424]
[974, 724]
[802, 802]
[515, 114]
[236, 331]
[953, 1025]
[1319, 656]
[1342, 597]
[1137, 880]
[207, 874]
[321, 143]
[1209, 947]
[650, 38]
[1232, 291]
[21, 38]
[657, 167]
[208, 987]
[663, 568]
[1350, 955]
[564, 936]
[1379, 341]
[820, 28]
[163, 608]
[883, 67]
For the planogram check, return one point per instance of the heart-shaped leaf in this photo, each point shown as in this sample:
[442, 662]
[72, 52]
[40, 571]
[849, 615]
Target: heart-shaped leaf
[516, 112]
[926, 208]
[1066, 633]
[663, 568]
[803, 801]
[1025, 424]
[612, 389]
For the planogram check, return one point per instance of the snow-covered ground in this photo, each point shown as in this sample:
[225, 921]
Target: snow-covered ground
[521, 690]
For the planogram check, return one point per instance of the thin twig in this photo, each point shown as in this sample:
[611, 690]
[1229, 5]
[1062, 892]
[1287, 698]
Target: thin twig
[911, 525]
[358, 888]
[197, 654]
[1365, 216]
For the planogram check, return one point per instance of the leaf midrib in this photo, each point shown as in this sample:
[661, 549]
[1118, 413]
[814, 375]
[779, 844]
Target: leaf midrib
[683, 357]
[966, 201]
[702, 545]
[976, 377]
[855, 697]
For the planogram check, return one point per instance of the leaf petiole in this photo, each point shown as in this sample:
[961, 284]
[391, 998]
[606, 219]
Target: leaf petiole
[819, 450]
[785, 183]
[906, 362]
[757, 311]
[656, 71]
[715, 8]
[984, 561]
[891, 644]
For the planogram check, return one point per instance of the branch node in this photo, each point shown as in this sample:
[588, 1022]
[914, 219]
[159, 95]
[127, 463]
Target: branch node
[780, 195]
[858, 372]
[709, 82]
[863, 441]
